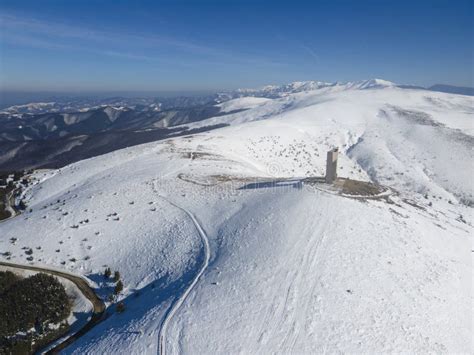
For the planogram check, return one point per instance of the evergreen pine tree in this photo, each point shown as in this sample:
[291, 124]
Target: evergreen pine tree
[107, 273]
[118, 287]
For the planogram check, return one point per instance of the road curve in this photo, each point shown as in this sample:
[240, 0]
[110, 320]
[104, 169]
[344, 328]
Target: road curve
[179, 301]
[87, 291]
[9, 206]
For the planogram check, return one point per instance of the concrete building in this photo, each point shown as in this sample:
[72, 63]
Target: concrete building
[331, 165]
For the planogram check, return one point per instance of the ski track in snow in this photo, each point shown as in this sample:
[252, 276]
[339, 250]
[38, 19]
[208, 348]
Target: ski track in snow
[180, 300]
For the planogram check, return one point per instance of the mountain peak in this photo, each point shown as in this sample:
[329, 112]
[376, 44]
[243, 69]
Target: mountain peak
[375, 83]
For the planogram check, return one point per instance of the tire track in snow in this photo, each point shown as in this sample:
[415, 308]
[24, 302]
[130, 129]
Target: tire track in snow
[284, 312]
[180, 300]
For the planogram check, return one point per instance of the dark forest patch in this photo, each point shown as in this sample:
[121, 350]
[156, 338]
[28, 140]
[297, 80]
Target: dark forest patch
[33, 311]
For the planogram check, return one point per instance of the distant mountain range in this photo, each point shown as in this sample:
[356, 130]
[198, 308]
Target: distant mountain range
[274, 91]
[54, 139]
[54, 125]
[153, 105]
[453, 89]
[74, 104]
[51, 134]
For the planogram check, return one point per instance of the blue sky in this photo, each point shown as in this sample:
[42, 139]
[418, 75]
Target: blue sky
[213, 45]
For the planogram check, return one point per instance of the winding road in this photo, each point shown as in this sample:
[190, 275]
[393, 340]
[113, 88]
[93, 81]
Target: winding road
[179, 301]
[9, 203]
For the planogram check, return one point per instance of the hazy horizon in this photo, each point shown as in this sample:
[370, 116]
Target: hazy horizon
[9, 98]
[186, 46]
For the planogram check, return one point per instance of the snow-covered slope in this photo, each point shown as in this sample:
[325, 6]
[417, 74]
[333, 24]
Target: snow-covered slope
[243, 103]
[385, 134]
[292, 267]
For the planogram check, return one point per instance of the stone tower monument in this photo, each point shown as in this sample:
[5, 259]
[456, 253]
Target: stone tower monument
[331, 165]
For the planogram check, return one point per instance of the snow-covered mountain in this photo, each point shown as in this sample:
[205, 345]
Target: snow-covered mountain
[55, 125]
[76, 104]
[53, 134]
[275, 91]
[226, 246]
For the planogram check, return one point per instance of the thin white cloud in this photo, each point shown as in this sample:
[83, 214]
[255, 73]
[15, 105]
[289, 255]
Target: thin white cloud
[52, 35]
[298, 44]
[310, 51]
[34, 27]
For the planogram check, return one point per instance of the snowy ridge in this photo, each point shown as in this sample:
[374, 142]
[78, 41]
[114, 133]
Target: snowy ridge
[33, 107]
[274, 91]
[374, 84]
